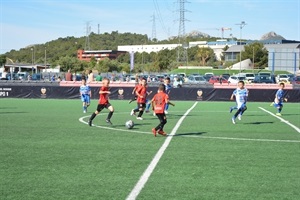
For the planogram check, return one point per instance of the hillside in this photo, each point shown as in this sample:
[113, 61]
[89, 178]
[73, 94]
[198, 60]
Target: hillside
[68, 46]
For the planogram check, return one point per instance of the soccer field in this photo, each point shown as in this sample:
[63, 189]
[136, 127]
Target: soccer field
[48, 151]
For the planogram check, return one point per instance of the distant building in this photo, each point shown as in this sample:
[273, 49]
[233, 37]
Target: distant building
[98, 54]
[147, 48]
[282, 56]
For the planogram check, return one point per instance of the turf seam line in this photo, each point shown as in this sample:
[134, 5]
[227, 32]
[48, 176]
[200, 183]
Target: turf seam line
[283, 120]
[144, 178]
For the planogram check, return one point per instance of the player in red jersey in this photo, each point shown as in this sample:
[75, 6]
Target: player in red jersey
[141, 94]
[136, 87]
[159, 102]
[103, 102]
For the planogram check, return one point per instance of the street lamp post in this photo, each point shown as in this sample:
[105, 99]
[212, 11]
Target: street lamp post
[242, 24]
[32, 61]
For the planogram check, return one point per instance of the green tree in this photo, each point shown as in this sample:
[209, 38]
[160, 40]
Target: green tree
[258, 52]
[2, 59]
[204, 54]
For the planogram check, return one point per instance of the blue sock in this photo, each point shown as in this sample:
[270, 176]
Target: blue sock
[148, 106]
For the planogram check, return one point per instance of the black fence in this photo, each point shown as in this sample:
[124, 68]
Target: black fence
[54, 91]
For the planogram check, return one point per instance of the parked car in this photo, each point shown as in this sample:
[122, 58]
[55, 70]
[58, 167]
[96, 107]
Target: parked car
[226, 76]
[263, 79]
[196, 79]
[291, 77]
[249, 77]
[216, 79]
[236, 79]
[282, 78]
[296, 80]
[207, 76]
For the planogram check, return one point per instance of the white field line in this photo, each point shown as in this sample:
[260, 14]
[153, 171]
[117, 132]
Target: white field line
[193, 136]
[144, 178]
[283, 120]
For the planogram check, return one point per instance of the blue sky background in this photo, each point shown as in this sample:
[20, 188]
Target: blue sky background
[26, 22]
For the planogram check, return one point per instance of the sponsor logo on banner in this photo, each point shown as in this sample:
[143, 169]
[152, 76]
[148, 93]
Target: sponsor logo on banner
[43, 92]
[121, 92]
[199, 95]
[4, 92]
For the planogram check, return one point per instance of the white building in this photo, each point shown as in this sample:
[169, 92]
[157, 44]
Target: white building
[147, 48]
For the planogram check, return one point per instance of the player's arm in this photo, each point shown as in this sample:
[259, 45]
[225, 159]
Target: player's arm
[153, 104]
[172, 104]
[232, 97]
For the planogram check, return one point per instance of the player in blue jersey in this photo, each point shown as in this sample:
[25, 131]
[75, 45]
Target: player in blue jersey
[241, 95]
[85, 93]
[279, 98]
[168, 86]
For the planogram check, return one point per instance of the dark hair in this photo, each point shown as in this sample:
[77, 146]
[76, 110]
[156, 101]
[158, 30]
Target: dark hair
[162, 87]
[168, 78]
[242, 82]
[281, 84]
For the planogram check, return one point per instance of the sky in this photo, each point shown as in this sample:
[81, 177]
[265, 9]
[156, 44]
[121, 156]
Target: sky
[27, 22]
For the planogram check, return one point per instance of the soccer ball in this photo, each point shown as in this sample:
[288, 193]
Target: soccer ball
[129, 124]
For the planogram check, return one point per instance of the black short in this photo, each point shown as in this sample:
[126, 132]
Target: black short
[141, 105]
[102, 106]
[161, 116]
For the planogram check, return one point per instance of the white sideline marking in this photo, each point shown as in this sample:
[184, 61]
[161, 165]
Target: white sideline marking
[283, 120]
[144, 178]
[194, 136]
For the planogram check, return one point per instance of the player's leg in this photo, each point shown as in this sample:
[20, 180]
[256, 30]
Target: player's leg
[163, 122]
[111, 112]
[141, 111]
[87, 102]
[232, 108]
[133, 99]
[166, 108]
[133, 111]
[148, 104]
[98, 110]
[236, 115]
[279, 109]
[160, 126]
[83, 99]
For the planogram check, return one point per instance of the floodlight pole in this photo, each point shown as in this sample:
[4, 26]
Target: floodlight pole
[242, 24]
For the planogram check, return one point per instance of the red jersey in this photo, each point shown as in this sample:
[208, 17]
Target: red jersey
[103, 99]
[160, 101]
[141, 91]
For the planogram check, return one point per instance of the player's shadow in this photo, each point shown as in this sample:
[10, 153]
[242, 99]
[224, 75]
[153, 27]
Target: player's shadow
[259, 123]
[185, 134]
[135, 124]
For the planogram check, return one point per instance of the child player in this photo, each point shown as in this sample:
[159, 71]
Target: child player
[241, 94]
[136, 87]
[103, 102]
[141, 93]
[168, 87]
[159, 102]
[85, 93]
[279, 98]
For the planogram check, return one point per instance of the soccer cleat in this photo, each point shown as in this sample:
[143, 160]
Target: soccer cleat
[147, 111]
[233, 120]
[130, 101]
[90, 123]
[231, 109]
[108, 121]
[162, 133]
[278, 114]
[154, 114]
[240, 117]
[154, 132]
[272, 104]
[139, 118]
[132, 112]
[166, 112]
[84, 111]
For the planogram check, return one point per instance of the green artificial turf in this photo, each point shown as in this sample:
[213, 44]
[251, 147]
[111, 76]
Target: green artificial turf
[48, 151]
